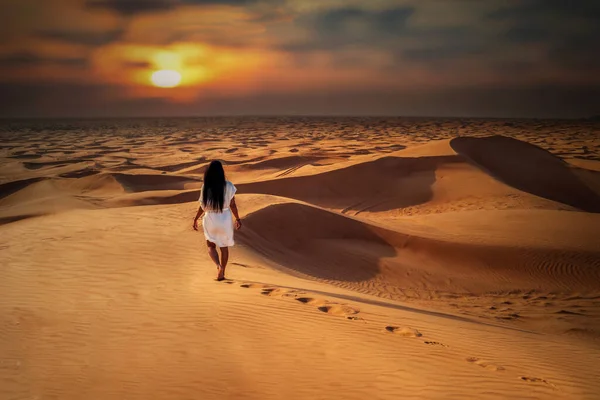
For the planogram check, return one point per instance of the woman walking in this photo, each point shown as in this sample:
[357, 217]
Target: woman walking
[217, 203]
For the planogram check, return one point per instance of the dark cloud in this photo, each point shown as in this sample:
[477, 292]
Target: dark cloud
[441, 53]
[41, 99]
[136, 64]
[25, 59]
[221, 2]
[388, 30]
[133, 7]
[549, 21]
[577, 54]
[351, 26]
[527, 33]
[567, 30]
[387, 22]
[83, 38]
[584, 9]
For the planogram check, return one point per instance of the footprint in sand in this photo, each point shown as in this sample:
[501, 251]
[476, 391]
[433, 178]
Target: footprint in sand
[277, 292]
[537, 380]
[406, 332]
[430, 343]
[325, 306]
[252, 286]
[309, 300]
[484, 364]
[340, 310]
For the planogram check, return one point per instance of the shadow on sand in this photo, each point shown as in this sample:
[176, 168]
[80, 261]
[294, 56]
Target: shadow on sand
[528, 168]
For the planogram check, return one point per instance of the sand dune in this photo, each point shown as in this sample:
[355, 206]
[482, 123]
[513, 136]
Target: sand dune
[286, 164]
[528, 168]
[140, 183]
[180, 166]
[378, 258]
[378, 185]
[337, 248]
[149, 198]
[9, 188]
[402, 185]
[51, 164]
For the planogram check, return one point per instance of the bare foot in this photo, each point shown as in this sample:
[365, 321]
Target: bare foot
[221, 275]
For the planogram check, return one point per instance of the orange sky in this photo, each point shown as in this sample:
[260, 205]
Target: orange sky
[250, 50]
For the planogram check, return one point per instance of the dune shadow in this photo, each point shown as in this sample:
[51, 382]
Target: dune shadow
[17, 156]
[389, 149]
[529, 168]
[282, 162]
[15, 218]
[238, 162]
[142, 183]
[180, 166]
[82, 173]
[153, 200]
[385, 184]
[39, 165]
[315, 242]
[6, 189]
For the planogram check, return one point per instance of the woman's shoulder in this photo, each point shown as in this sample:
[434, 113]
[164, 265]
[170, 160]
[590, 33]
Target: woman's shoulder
[230, 188]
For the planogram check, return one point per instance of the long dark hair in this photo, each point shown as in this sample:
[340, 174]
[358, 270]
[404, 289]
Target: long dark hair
[213, 195]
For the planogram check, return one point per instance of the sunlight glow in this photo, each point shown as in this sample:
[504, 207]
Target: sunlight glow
[167, 60]
[166, 78]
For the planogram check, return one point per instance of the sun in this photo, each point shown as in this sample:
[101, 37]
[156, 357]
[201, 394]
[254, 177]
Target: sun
[166, 78]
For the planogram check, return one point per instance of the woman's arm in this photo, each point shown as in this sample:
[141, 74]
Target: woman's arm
[198, 215]
[234, 210]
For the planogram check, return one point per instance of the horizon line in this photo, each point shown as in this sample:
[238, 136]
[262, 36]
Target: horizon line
[5, 118]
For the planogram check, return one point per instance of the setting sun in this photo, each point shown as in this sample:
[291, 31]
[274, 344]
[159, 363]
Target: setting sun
[166, 78]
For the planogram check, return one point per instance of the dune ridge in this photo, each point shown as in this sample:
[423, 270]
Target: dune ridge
[528, 168]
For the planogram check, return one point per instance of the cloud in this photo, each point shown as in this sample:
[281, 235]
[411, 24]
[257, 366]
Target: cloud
[549, 21]
[568, 31]
[135, 7]
[341, 21]
[220, 2]
[338, 27]
[584, 9]
[372, 53]
[132, 7]
[441, 53]
[93, 39]
[25, 59]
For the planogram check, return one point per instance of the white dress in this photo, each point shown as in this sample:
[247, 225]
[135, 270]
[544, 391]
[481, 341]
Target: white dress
[218, 226]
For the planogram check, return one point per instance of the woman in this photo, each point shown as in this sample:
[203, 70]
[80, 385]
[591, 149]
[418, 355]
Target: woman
[217, 202]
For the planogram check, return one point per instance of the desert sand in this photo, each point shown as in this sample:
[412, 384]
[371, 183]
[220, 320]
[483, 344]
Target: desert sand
[379, 258]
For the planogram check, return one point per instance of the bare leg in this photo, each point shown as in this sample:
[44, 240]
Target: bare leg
[224, 259]
[212, 252]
